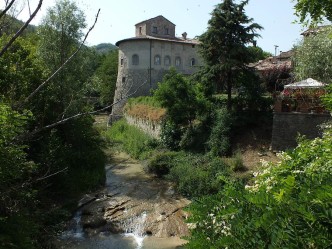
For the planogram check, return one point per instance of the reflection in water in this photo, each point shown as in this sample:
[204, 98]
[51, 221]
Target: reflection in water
[117, 241]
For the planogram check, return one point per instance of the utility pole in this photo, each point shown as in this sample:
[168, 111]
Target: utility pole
[275, 50]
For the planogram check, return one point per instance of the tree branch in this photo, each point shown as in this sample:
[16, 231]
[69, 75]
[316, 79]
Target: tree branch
[27, 136]
[48, 176]
[63, 65]
[19, 32]
[7, 8]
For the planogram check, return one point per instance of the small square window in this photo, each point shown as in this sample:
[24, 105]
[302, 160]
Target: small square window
[121, 61]
[123, 79]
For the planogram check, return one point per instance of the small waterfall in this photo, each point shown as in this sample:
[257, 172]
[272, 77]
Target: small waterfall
[76, 230]
[134, 227]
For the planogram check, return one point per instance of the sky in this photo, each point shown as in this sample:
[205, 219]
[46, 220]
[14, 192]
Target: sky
[117, 18]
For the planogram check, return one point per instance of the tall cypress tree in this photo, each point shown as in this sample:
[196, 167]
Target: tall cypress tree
[223, 45]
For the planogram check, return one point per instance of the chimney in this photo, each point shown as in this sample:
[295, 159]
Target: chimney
[184, 36]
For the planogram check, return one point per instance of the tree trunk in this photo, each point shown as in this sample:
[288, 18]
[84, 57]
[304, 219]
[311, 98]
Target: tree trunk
[229, 92]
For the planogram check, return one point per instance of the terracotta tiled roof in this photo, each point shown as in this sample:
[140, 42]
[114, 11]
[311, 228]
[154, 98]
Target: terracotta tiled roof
[282, 60]
[160, 16]
[315, 30]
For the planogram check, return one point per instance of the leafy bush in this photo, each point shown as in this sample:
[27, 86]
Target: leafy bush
[288, 204]
[161, 163]
[219, 141]
[135, 142]
[236, 162]
[171, 134]
[196, 175]
[185, 103]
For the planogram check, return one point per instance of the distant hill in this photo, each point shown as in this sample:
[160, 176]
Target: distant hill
[104, 48]
[10, 25]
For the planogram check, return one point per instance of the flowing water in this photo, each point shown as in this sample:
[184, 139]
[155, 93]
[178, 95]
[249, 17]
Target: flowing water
[141, 211]
[134, 227]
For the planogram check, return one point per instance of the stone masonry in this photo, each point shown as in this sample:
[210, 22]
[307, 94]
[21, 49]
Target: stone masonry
[287, 126]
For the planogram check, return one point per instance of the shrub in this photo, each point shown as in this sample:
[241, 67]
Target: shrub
[219, 141]
[161, 163]
[236, 162]
[135, 142]
[171, 134]
[197, 175]
[288, 204]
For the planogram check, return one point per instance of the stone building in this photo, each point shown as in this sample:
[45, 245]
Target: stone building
[145, 58]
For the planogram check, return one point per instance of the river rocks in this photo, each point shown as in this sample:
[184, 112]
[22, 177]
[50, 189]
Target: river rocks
[131, 194]
[92, 221]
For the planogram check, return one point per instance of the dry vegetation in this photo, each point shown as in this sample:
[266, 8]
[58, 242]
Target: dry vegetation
[144, 111]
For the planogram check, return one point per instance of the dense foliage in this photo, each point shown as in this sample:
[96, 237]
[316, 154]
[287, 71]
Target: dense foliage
[193, 174]
[256, 53]
[287, 205]
[104, 79]
[219, 142]
[44, 161]
[130, 139]
[313, 11]
[313, 57]
[185, 102]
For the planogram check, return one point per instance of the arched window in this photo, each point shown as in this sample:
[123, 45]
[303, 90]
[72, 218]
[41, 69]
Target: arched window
[135, 59]
[192, 62]
[177, 61]
[167, 61]
[157, 60]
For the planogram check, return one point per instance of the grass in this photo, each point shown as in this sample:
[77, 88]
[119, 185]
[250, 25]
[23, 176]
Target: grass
[130, 139]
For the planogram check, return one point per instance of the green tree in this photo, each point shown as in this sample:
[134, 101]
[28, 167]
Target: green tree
[257, 53]
[39, 164]
[184, 102]
[106, 76]
[223, 45]
[314, 10]
[178, 96]
[313, 57]
[73, 145]
[21, 70]
[17, 195]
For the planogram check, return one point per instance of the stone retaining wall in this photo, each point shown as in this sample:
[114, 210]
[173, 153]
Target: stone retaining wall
[152, 128]
[287, 126]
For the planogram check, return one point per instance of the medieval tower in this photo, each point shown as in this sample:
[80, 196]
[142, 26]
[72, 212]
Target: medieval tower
[145, 58]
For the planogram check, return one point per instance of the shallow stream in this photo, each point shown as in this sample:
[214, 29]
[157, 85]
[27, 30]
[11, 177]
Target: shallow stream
[134, 211]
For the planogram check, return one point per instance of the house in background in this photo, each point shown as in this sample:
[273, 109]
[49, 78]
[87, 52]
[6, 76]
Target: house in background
[146, 58]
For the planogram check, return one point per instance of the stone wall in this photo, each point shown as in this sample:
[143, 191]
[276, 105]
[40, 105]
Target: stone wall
[161, 24]
[287, 126]
[152, 128]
